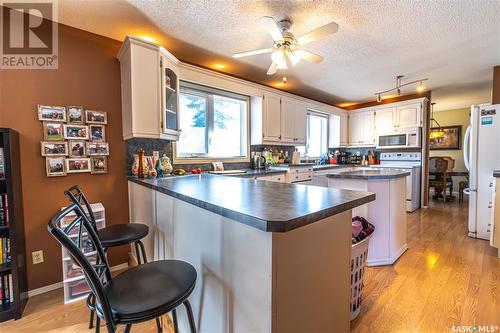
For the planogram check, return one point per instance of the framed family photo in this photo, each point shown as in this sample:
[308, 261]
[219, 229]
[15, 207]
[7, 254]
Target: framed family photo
[55, 166]
[96, 117]
[77, 165]
[75, 114]
[97, 148]
[51, 113]
[99, 164]
[77, 148]
[54, 148]
[97, 133]
[52, 131]
[76, 132]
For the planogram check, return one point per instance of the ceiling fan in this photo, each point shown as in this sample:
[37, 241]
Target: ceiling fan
[287, 46]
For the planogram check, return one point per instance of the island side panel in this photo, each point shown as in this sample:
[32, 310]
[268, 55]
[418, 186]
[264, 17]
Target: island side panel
[399, 232]
[311, 277]
[233, 262]
[142, 210]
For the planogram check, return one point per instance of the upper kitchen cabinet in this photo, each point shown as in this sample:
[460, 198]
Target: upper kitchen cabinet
[300, 123]
[391, 118]
[409, 115]
[277, 119]
[385, 120]
[338, 133]
[362, 128]
[150, 90]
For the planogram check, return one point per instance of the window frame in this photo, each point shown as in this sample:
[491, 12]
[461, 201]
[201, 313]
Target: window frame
[322, 115]
[208, 93]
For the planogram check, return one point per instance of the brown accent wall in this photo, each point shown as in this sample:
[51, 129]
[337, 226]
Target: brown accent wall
[388, 100]
[496, 85]
[88, 75]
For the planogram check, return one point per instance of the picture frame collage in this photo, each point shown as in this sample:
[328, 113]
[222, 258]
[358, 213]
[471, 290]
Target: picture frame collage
[74, 140]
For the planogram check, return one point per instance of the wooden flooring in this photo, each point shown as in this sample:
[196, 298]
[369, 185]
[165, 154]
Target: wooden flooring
[444, 279]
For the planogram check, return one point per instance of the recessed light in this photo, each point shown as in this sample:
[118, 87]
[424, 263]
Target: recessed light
[148, 38]
[219, 66]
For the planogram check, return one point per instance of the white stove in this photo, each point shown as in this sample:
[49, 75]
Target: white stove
[411, 162]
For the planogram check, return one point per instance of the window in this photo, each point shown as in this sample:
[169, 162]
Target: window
[317, 135]
[213, 123]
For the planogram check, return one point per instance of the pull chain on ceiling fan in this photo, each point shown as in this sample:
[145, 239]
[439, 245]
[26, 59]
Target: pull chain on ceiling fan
[286, 46]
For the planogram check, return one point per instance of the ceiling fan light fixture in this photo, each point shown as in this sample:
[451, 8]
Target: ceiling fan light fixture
[295, 57]
[279, 59]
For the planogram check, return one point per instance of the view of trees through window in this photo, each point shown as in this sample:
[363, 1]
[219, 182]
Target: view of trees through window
[213, 125]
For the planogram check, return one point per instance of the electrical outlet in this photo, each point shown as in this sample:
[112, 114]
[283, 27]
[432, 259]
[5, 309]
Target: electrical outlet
[37, 257]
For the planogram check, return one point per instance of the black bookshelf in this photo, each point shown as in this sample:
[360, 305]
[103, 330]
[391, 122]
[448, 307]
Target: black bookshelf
[10, 184]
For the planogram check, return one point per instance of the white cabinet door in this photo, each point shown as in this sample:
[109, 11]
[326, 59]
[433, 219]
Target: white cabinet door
[409, 115]
[354, 129]
[385, 120]
[344, 130]
[287, 120]
[334, 131]
[271, 118]
[368, 127]
[300, 124]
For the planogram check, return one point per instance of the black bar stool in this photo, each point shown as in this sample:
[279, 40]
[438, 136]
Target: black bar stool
[111, 236]
[139, 294]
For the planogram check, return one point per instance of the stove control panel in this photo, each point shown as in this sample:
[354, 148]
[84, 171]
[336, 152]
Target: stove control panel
[413, 156]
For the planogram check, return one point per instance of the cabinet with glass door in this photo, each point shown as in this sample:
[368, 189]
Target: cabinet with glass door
[169, 98]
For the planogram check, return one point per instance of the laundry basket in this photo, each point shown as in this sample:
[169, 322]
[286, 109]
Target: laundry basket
[359, 253]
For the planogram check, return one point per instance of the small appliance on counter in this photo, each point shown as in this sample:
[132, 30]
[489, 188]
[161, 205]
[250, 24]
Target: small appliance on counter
[343, 158]
[258, 162]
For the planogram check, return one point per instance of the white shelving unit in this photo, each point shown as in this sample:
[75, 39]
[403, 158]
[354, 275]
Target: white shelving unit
[75, 286]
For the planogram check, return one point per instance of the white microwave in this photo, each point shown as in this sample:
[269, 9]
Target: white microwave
[403, 138]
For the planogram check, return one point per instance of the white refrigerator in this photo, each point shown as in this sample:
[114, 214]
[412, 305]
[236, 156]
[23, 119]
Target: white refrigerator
[481, 157]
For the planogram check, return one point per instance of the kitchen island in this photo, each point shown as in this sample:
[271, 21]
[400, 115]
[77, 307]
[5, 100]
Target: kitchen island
[270, 257]
[387, 213]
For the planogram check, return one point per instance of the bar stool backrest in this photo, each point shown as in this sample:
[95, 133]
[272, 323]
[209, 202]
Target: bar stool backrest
[76, 195]
[79, 237]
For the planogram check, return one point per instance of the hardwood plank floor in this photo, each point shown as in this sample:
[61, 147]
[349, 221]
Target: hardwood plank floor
[444, 279]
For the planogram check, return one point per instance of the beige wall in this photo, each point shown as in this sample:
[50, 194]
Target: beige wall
[452, 118]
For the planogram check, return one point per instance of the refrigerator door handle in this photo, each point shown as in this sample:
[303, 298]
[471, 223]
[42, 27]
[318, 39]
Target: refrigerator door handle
[467, 148]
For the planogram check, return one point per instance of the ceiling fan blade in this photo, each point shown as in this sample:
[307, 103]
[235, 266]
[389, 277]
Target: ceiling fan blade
[251, 53]
[272, 27]
[311, 57]
[272, 69]
[318, 33]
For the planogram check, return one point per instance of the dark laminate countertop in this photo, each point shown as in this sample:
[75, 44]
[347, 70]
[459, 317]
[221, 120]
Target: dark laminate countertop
[332, 166]
[269, 206]
[369, 174]
[496, 173]
[259, 173]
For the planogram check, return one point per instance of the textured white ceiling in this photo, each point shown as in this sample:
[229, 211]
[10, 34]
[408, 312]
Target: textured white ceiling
[450, 42]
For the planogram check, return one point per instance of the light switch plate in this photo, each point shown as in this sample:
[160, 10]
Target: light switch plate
[37, 257]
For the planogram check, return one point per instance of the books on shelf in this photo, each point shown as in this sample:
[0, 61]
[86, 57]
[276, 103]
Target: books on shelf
[5, 256]
[2, 164]
[4, 210]
[6, 289]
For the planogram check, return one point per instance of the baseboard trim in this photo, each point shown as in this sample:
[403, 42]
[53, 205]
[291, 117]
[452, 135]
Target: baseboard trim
[387, 261]
[57, 285]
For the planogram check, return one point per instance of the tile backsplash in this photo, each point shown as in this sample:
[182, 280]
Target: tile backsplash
[165, 147]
